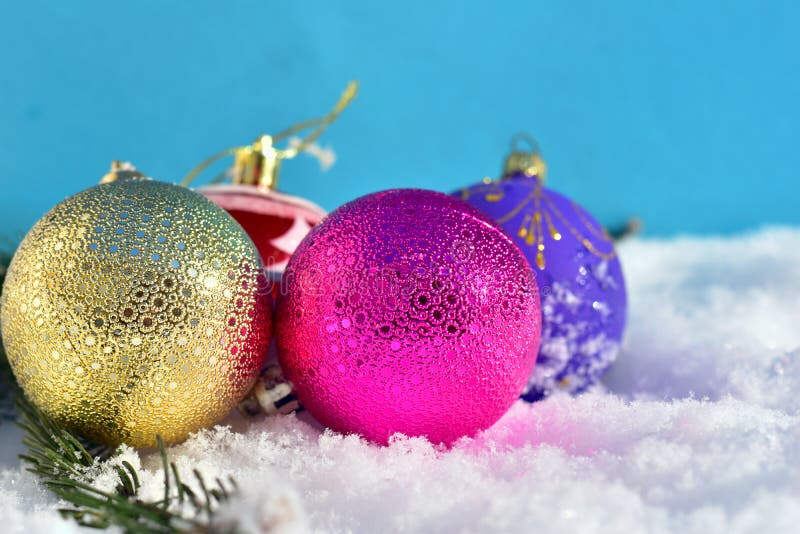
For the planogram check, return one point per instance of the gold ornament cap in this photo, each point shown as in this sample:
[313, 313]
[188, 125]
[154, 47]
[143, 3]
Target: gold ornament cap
[259, 163]
[527, 162]
[121, 171]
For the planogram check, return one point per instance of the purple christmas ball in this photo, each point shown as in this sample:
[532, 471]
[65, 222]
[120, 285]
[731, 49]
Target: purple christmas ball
[578, 272]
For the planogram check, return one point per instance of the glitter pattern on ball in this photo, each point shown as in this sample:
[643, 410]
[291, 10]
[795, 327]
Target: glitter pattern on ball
[580, 279]
[135, 308]
[408, 311]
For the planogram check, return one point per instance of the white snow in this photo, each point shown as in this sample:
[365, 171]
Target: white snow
[697, 432]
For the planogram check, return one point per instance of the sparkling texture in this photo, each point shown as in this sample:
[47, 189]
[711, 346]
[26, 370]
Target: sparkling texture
[135, 308]
[408, 311]
[579, 275]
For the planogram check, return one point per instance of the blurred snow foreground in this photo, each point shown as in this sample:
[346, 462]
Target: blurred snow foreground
[698, 430]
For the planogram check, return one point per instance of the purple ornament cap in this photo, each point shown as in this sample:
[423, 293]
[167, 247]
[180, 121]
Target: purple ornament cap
[580, 278]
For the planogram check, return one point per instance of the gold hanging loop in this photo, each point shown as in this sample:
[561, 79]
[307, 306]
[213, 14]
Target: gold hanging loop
[259, 163]
[527, 161]
[533, 144]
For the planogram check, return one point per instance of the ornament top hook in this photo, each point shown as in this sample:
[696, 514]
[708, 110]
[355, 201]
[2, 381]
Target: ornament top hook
[258, 164]
[527, 161]
[121, 170]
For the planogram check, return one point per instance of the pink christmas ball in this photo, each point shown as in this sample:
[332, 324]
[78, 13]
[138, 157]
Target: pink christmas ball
[408, 311]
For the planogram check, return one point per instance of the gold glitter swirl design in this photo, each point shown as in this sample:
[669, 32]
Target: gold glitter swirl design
[540, 215]
[135, 308]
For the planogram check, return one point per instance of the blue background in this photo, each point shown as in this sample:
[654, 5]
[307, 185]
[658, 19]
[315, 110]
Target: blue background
[684, 113]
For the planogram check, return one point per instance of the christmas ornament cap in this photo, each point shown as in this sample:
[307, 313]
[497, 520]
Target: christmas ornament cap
[527, 162]
[121, 171]
[275, 222]
[258, 164]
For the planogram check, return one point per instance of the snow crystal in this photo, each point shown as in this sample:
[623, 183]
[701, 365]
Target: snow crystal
[697, 431]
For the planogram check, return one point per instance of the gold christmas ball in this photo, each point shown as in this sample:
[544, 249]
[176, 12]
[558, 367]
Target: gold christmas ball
[136, 308]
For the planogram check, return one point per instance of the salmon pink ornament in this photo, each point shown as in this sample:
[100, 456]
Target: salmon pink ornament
[408, 311]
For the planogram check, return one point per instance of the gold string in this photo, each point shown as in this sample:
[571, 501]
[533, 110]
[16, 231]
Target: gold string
[264, 144]
[206, 163]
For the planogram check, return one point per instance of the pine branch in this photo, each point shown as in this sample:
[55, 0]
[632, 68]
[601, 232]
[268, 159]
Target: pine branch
[62, 459]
